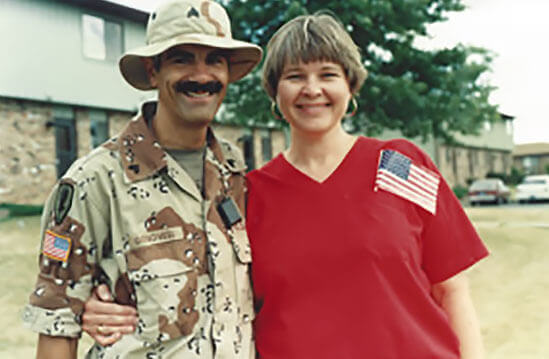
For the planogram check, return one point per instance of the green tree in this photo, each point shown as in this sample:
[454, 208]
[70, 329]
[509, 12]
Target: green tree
[419, 92]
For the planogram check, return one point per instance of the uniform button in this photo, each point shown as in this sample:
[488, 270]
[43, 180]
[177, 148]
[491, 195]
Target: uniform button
[39, 291]
[246, 318]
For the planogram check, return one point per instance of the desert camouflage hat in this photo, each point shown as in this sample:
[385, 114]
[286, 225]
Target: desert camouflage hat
[191, 22]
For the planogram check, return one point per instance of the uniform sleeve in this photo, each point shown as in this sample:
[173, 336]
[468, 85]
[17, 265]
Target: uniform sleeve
[73, 227]
[450, 243]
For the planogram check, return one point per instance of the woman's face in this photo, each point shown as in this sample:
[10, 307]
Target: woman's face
[313, 97]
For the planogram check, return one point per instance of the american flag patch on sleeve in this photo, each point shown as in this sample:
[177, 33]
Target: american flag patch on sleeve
[397, 174]
[56, 247]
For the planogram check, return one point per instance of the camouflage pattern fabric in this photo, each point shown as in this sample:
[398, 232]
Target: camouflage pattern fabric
[138, 222]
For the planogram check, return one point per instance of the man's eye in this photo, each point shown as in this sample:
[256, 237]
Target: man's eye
[216, 59]
[329, 74]
[182, 60]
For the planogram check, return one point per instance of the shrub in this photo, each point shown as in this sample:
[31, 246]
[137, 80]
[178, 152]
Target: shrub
[515, 177]
[460, 191]
[501, 176]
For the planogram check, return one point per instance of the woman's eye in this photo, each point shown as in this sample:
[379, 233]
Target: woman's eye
[293, 77]
[329, 74]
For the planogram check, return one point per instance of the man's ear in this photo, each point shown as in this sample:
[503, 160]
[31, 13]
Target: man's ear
[151, 71]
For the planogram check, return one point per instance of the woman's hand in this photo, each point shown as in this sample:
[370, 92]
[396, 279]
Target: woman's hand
[106, 321]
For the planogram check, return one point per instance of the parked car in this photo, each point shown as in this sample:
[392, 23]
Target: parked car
[533, 188]
[489, 190]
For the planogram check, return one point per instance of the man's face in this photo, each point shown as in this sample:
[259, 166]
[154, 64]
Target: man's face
[192, 82]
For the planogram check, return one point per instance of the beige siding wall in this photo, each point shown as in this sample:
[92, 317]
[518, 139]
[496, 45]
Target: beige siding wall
[458, 165]
[538, 163]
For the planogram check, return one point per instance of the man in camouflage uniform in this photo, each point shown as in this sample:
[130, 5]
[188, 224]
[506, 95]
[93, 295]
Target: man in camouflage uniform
[155, 212]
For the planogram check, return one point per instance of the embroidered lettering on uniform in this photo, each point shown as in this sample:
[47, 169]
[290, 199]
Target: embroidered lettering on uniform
[159, 236]
[397, 174]
[56, 246]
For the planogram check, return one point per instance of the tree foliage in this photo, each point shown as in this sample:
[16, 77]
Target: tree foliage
[419, 92]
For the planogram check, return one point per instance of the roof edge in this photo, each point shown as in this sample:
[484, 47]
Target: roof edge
[111, 8]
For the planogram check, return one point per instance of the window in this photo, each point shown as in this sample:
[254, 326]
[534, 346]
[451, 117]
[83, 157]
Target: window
[471, 160]
[248, 149]
[509, 127]
[487, 126]
[101, 39]
[530, 164]
[99, 127]
[448, 154]
[266, 146]
[65, 138]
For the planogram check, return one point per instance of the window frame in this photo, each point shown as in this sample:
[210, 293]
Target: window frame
[113, 58]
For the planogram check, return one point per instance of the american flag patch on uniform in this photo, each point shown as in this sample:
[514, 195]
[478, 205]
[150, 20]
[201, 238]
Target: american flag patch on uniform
[56, 246]
[397, 174]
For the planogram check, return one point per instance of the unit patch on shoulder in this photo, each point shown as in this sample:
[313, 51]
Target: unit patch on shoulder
[56, 246]
[63, 201]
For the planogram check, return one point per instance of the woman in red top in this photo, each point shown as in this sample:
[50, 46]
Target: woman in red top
[357, 243]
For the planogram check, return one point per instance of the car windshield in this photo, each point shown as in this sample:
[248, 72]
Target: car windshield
[534, 181]
[484, 185]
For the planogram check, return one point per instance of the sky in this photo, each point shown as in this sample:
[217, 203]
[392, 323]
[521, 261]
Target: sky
[517, 33]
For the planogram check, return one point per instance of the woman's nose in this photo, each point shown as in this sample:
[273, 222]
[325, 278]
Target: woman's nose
[312, 88]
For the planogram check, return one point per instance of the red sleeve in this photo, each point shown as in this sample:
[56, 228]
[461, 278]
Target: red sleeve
[449, 241]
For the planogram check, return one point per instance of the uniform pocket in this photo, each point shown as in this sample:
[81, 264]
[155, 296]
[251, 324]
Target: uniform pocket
[166, 291]
[243, 254]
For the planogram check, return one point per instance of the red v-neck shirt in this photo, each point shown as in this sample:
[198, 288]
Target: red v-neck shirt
[343, 271]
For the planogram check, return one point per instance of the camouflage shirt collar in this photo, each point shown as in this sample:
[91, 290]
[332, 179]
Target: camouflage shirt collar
[141, 154]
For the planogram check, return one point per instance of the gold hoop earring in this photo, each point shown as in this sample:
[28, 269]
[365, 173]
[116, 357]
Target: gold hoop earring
[355, 108]
[274, 111]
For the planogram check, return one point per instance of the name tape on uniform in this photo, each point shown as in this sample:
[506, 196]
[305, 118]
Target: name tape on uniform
[158, 236]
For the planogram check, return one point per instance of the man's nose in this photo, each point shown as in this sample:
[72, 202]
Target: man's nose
[201, 72]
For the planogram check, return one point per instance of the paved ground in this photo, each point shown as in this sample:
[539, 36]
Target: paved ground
[510, 288]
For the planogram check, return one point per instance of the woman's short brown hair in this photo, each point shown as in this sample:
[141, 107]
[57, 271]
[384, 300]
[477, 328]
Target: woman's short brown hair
[309, 38]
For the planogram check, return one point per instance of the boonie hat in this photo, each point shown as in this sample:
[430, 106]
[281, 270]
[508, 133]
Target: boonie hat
[189, 22]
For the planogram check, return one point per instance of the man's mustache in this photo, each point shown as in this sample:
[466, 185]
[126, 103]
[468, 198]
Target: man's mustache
[193, 86]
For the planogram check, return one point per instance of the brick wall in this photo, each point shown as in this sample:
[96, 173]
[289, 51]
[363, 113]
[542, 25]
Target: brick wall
[28, 154]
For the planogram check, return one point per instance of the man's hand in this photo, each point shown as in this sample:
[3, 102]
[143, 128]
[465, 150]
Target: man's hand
[106, 321]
